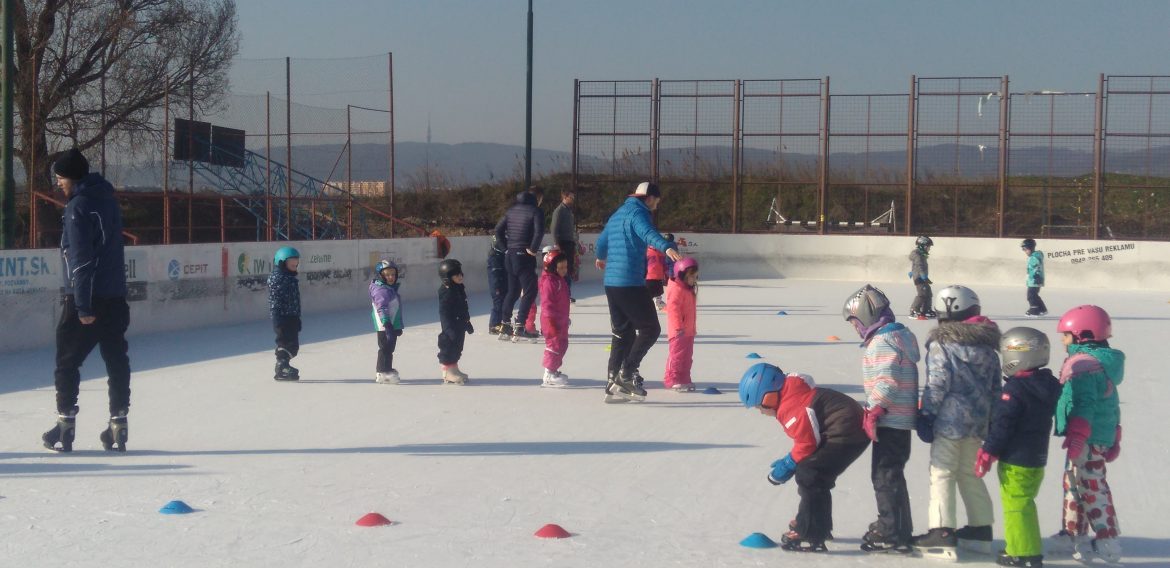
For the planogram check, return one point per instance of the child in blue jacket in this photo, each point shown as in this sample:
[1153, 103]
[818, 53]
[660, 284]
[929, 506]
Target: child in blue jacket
[387, 314]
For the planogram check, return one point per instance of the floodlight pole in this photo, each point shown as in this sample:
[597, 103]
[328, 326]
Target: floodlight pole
[528, 109]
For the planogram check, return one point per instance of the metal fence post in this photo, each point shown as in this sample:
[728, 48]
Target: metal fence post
[911, 151]
[655, 126]
[1004, 125]
[1098, 156]
[823, 182]
[576, 130]
[736, 154]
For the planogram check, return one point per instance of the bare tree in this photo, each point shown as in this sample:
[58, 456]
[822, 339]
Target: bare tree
[70, 54]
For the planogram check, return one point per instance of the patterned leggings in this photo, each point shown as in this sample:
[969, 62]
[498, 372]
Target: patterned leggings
[1088, 502]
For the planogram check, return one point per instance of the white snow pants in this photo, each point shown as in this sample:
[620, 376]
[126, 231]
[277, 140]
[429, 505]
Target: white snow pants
[952, 462]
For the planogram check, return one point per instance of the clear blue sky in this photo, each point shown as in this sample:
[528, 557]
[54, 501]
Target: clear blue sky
[463, 62]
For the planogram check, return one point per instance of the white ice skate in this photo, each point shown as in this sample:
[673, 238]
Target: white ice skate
[453, 376]
[683, 387]
[388, 378]
[554, 379]
[1107, 549]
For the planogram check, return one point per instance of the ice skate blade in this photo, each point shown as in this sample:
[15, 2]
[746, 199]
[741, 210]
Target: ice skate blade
[553, 385]
[940, 553]
[976, 546]
[614, 399]
[877, 548]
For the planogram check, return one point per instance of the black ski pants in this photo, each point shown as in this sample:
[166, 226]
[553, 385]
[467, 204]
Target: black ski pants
[1035, 304]
[521, 284]
[75, 341]
[635, 326]
[387, 341]
[890, 454]
[922, 302]
[288, 340]
[451, 345]
[816, 475]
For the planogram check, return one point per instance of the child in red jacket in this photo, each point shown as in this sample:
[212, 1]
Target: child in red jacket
[554, 316]
[681, 309]
[656, 275]
[825, 427]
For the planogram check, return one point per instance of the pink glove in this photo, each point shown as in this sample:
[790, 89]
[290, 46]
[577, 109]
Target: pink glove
[1115, 450]
[1075, 435]
[869, 423]
[983, 461]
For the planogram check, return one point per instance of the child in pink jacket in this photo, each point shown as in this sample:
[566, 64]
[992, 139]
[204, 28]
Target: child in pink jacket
[554, 316]
[656, 275]
[680, 321]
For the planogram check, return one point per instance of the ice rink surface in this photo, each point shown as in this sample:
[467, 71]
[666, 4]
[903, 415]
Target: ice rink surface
[279, 472]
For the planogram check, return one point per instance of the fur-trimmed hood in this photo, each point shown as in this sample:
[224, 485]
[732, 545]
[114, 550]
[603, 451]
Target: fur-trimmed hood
[976, 331]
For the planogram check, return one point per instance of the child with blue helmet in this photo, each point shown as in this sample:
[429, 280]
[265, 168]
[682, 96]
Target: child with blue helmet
[825, 427]
[387, 314]
[284, 304]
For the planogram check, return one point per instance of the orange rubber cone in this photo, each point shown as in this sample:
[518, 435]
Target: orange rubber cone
[373, 520]
[552, 531]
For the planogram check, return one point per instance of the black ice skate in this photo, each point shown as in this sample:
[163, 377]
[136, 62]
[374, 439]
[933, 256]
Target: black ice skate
[611, 388]
[629, 385]
[286, 372]
[938, 543]
[519, 334]
[874, 541]
[1024, 561]
[975, 539]
[792, 541]
[504, 331]
[115, 435]
[63, 432]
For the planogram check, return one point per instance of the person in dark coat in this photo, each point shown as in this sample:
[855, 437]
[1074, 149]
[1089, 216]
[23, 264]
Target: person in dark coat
[95, 312]
[520, 232]
[497, 275]
[455, 320]
[564, 233]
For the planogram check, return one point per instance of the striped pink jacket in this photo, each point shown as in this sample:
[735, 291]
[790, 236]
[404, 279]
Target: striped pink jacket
[890, 371]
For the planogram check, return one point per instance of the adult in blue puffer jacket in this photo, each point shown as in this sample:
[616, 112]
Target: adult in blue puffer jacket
[520, 232]
[94, 312]
[621, 252]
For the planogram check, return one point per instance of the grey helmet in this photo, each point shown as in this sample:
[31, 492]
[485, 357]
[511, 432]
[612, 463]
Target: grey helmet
[923, 242]
[956, 303]
[1022, 349]
[866, 305]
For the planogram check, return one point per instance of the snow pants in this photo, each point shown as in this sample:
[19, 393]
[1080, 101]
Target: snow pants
[952, 463]
[1088, 502]
[288, 337]
[816, 475]
[922, 301]
[678, 362]
[555, 346]
[76, 341]
[1035, 303]
[1018, 487]
[887, 472]
[387, 341]
[451, 346]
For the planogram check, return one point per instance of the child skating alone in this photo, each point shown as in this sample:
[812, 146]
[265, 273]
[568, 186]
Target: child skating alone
[963, 378]
[681, 309]
[889, 368]
[1035, 280]
[1018, 438]
[920, 276]
[387, 314]
[1088, 415]
[825, 427]
[554, 316]
[284, 304]
[455, 320]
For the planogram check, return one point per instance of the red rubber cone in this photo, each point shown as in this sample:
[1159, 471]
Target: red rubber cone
[552, 531]
[373, 520]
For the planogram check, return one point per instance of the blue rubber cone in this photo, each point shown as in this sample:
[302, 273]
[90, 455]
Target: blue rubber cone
[176, 508]
[781, 313]
[758, 540]
[712, 390]
[754, 355]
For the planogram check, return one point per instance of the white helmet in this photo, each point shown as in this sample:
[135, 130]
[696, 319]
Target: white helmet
[1022, 349]
[956, 303]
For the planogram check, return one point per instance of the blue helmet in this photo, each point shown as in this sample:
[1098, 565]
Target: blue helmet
[285, 253]
[759, 379]
[383, 265]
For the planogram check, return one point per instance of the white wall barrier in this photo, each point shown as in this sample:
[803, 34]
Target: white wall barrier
[185, 286]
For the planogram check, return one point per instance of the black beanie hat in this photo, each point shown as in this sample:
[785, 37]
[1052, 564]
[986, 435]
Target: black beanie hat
[71, 165]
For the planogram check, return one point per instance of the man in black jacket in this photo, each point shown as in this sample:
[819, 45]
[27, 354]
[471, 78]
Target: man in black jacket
[521, 231]
[95, 313]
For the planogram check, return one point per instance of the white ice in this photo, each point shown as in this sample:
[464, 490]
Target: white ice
[279, 472]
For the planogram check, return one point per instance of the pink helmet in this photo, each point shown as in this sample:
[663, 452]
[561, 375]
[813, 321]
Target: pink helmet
[1087, 318]
[683, 265]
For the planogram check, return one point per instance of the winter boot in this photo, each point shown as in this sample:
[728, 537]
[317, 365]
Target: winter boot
[1025, 561]
[554, 379]
[792, 541]
[938, 543]
[975, 539]
[115, 435]
[388, 378]
[63, 432]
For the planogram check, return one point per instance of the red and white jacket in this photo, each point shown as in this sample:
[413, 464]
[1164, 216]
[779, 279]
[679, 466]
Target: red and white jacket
[813, 416]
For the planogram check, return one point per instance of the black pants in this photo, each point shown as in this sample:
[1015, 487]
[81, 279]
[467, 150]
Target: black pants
[816, 475]
[634, 322]
[655, 287]
[569, 248]
[75, 342]
[521, 278]
[451, 346]
[1035, 304]
[387, 340]
[288, 342]
[922, 300]
[890, 454]
[498, 284]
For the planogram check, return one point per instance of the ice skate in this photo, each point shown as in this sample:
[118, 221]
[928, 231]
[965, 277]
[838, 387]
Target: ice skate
[504, 331]
[286, 372]
[683, 387]
[939, 544]
[1063, 543]
[1107, 550]
[792, 527]
[611, 396]
[519, 334]
[876, 542]
[792, 541]
[63, 432]
[975, 539]
[629, 386]
[1024, 561]
[554, 379]
[388, 378]
[453, 376]
[659, 303]
[115, 435]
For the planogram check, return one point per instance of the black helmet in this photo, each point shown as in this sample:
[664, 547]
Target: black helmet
[449, 268]
[1029, 244]
[923, 242]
